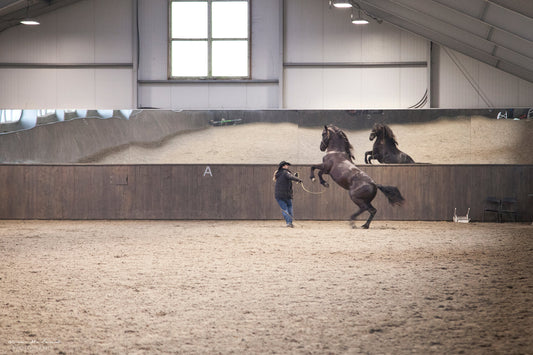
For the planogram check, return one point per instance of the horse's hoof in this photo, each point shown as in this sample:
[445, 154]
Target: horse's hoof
[325, 184]
[364, 226]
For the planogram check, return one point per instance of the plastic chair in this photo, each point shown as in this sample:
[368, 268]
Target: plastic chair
[508, 208]
[492, 204]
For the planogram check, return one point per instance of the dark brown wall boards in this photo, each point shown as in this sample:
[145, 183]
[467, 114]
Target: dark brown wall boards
[246, 192]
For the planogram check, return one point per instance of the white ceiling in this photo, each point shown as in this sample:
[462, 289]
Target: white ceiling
[496, 32]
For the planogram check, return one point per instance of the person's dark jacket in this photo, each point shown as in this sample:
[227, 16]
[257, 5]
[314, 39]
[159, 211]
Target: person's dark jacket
[284, 180]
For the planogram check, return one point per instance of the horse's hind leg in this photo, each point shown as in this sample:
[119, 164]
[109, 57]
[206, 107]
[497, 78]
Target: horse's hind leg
[354, 216]
[366, 207]
[372, 212]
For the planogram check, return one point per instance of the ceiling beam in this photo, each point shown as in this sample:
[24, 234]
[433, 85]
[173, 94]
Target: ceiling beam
[520, 7]
[413, 21]
[499, 37]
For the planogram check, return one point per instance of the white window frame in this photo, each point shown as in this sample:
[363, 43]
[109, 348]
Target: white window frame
[209, 41]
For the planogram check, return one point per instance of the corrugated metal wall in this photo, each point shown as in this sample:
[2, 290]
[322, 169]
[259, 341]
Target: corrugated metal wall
[462, 81]
[330, 63]
[351, 67]
[80, 57]
[246, 192]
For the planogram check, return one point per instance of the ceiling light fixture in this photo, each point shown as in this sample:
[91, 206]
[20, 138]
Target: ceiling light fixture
[342, 4]
[29, 21]
[358, 19]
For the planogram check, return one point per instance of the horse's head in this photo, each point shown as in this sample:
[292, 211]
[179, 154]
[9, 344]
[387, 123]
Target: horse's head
[382, 131]
[340, 141]
[373, 134]
[326, 135]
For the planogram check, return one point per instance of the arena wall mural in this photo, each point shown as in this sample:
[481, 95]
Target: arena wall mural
[263, 137]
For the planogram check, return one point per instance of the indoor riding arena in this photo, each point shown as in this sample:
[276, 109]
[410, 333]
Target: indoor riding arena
[140, 142]
[159, 257]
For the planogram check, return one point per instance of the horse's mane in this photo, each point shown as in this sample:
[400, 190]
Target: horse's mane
[387, 132]
[347, 146]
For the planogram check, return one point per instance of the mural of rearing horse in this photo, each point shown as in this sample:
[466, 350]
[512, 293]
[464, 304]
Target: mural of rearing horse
[338, 163]
[385, 149]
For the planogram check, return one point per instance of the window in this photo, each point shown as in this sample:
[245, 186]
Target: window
[44, 113]
[10, 116]
[209, 39]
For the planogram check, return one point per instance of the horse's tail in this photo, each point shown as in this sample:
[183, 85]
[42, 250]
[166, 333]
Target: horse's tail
[393, 194]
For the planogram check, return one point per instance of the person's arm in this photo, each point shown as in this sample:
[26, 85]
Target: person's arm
[293, 177]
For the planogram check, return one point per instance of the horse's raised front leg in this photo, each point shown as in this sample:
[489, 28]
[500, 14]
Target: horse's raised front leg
[320, 173]
[322, 181]
[313, 167]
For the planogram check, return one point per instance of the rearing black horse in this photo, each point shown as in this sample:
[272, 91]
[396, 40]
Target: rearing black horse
[385, 149]
[338, 163]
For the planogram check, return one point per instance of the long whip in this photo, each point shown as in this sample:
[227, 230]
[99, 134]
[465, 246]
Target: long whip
[311, 192]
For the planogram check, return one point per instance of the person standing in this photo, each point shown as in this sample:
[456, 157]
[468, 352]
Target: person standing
[283, 190]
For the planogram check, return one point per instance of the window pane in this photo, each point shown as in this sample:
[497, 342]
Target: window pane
[230, 58]
[230, 19]
[7, 116]
[189, 19]
[189, 58]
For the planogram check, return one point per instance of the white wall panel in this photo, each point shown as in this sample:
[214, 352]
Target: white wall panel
[454, 88]
[113, 25]
[341, 40]
[227, 96]
[381, 43]
[500, 88]
[75, 33]
[304, 35]
[189, 96]
[156, 96]
[266, 46]
[87, 32]
[113, 88]
[8, 89]
[259, 96]
[76, 89]
[153, 39]
[218, 96]
[342, 88]
[40, 93]
[380, 88]
[317, 34]
[413, 86]
[29, 44]
[413, 48]
[465, 82]
[525, 93]
[304, 88]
